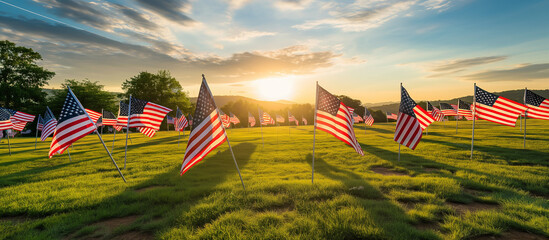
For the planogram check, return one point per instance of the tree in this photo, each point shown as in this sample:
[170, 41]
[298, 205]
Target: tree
[352, 103]
[21, 79]
[90, 94]
[160, 88]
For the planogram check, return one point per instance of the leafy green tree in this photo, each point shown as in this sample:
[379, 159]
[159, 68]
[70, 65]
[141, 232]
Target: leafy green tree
[353, 103]
[160, 88]
[21, 79]
[90, 94]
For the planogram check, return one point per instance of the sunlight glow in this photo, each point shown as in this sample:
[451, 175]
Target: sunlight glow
[275, 88]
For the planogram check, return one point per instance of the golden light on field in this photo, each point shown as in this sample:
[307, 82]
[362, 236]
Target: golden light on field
[275, 88]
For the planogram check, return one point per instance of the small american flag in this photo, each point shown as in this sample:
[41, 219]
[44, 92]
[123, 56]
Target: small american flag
[93, 115]
[357, 118]
[99, 122]
[19, 126]
[149, 132]
[73, 124]
[368, 119]
[391, 116]
[190, 119]
[265, 118]
[109, 119]
[304, 120]
[435, 112]
[333, 117]
[146, 114]
[291, 118]
[225, 119]
[180, 120]
[122, 120]
[234, 119]
[464, 109]
[17, 116]
[170, 120]
[207, 132]
[494, 108]
[279, 119]
[538, 106]
[412, 120]
[5, 122]
[50, 123]
[447, 109]
[40, 123]
[251, 119]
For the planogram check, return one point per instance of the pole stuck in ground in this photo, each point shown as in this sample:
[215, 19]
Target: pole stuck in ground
[127, 131]
[314, 136]
[36, 136]
[474, 117]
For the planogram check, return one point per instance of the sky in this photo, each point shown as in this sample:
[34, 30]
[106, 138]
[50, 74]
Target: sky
[279, 49]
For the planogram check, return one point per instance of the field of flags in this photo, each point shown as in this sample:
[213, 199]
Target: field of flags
[208, 130]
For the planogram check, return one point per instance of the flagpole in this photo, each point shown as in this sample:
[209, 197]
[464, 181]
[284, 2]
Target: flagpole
[261, 126]
[525, 117]
[176, 120]
[127, 131]
[102, 126]
[314, 136]
[427, 107]
[69, 152]
[457, 116]
[397, 121]
[399, 152]
[9, 144]
[225, 132]
[113, 136]
[99, 136]
[36, 136]
[474, 117]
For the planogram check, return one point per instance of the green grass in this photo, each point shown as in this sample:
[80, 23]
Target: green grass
[43, 198]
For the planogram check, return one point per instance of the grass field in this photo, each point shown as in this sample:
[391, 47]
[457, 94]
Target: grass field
[434, 192]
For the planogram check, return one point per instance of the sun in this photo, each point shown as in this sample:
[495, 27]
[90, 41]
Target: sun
[275, 88]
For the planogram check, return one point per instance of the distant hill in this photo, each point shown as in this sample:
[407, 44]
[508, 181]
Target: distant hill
[266, 105]
[515, 95]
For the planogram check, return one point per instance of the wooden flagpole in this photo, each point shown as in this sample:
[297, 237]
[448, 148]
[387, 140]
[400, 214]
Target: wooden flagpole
[224, 132]
[127, 131]
[99, 136]
[261, 126]
[314, 136]
[36, 136]
[525, 117]
[474, 117]
[457, 116]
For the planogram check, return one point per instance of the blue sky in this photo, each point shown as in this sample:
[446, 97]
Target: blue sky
[278, 49]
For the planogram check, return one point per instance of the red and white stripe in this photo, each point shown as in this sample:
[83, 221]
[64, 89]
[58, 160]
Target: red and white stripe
[251, 121]
[149, 132]
[93, 115]
[267, 119]
[369, 120]
[118, 127]
[152, 116]
[392, 116]
[408, 131]
[22, 117]
[423, 117]
[109, 121]
[436, 114]
[6, 124]
[68, 132]
[504, 111]
[357, 118]
[181, 123]
[202, 140]
[49, 128]
[121, 121]
[226, 120]
[541, 112]
[18, 126]
[39, 126]
[340, 126]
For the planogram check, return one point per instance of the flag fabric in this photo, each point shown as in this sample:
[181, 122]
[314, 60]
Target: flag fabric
[109, 119]
[40, 123]
[99, 122]
[265, 118]
[497, 109]
[146, 114]
[304, 120]
[291, 118]
[447, 109]
[538, 106]
[368, 118]
[19, 126]
[279, 119]
[391, 116]
[50, 123]
[190, 119]
[234, 119]
[435, 112]
[464, 109]
[225, 119]
[180, 121]
[251, 119]
[357, 118]
[73, 124]
[5, 122]
[333, 117]
[17, 116]
[207, 131]
[351, 110]
[170, 120]
[93, 115]
[1, 133]
[149, 132]
[412, 120]
[122, 120]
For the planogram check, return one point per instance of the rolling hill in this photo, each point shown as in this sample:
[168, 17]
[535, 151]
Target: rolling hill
[267, 105]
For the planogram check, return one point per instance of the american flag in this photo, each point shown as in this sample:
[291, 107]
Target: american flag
[19, 126]
[447, 109]
[40, 123]
[357, 118]
[333, 117]
[391, 116]
[304, 120]
[122, 120]
[146, 114]
[181, 121]
[225, 119]
[149, 132]
[412, 120]
[17, 116]
[170, 120]
[265, 118]
[368, 119]
[464, 109]
[50, 123]
[251, 119]
[190, 119]
[234, 119]
[435, 112]
[109, 119]
[99, 122]
[5, 122]
[538, 106]
[494, 108]
[73, 124]
[207, 131]
[279, 119]
[93, 115]
[291, 118]
[351, 110]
